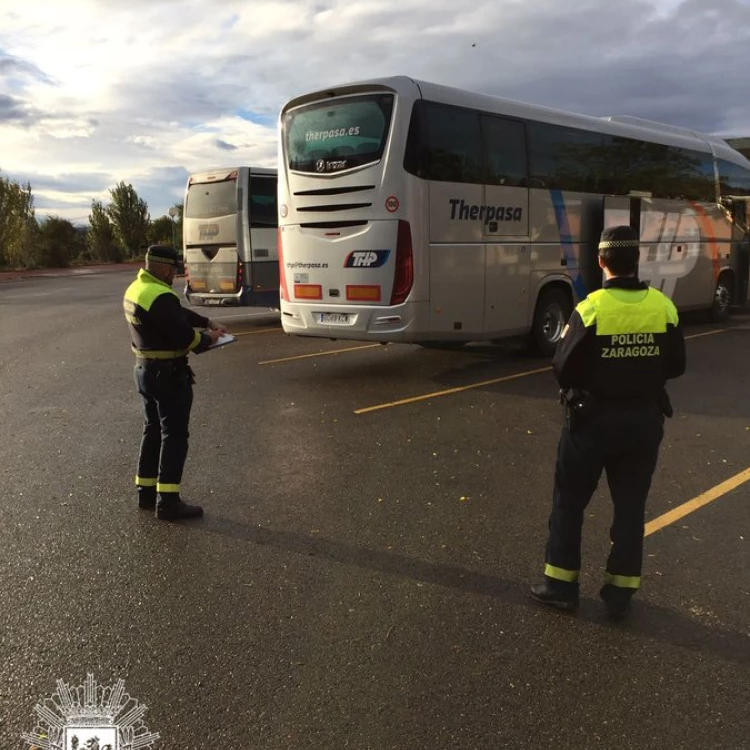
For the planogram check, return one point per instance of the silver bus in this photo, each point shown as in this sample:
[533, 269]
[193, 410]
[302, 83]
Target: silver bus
[230, 230]
[413, 212]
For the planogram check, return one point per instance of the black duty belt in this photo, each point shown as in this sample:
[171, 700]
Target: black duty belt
[162, 364]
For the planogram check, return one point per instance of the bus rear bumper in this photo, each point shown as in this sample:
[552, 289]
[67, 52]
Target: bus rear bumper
[243, 298]
[221, 300]
[362, 323]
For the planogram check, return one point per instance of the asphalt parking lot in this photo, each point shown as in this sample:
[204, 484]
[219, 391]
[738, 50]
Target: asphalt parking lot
[374, 515]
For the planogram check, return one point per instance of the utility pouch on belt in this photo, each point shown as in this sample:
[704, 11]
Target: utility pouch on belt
[578, 406]
[665, 404]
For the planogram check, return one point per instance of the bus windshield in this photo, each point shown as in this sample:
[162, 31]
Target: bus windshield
[335, 135]
[210, 200]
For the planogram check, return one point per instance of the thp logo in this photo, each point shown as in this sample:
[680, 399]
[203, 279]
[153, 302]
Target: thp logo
[207, 231]
[366, 258]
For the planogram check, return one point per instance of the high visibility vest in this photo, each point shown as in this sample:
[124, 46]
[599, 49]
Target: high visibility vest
[156, 331]
[630, 333]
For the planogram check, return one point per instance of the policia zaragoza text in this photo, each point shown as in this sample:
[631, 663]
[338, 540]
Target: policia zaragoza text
[626, 345]
[622, 344]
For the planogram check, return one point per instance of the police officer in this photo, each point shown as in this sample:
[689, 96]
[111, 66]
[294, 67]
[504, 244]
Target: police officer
[162, 336]
[619, 348]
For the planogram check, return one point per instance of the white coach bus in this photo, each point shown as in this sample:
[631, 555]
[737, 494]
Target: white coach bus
[230, 231]
[411, 212]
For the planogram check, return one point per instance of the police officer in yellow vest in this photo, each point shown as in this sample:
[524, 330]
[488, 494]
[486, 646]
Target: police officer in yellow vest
[163, 335]
[621, 345]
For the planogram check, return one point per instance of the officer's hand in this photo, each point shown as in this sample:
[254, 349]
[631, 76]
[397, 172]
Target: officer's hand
[218, 327]
[214, 334]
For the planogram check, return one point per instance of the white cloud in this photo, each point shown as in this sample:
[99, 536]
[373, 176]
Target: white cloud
[146, 91]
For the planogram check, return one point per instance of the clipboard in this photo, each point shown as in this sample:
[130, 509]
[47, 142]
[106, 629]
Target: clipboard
[223, 340]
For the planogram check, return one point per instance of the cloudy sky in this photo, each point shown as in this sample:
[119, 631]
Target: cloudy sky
[146, 91]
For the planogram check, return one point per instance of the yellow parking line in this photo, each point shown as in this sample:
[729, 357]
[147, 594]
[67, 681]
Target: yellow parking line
[697, 502]
[449, 391]
[707, 333]
[318, 354]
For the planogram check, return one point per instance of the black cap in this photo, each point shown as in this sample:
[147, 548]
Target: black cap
[162, 254]
[621, 236]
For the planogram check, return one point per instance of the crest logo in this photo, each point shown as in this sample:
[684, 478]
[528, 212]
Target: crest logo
[90, 717]
[320, 165]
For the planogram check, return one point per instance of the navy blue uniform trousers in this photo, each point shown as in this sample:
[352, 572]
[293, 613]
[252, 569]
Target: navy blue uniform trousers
[167, 391]
[623, 440]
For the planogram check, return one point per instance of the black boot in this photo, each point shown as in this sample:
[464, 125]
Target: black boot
[170, 507]
[561, 597]
[146, 498]
[617, 600]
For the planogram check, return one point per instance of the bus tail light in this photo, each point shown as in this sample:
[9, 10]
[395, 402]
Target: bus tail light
[404, 275]
[308, 291]
[282, 275]
[240, 273]
[363, 293]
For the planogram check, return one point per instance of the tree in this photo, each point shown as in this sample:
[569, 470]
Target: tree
[101, 235]
[17, 224]
[130, 219]
[58, 243]
[160, 231]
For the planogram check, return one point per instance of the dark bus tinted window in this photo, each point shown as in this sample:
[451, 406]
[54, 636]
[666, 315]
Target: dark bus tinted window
[578, 160]
[263, 204]
[209, 200]
[504, 152]
[567, 159]
[453, 144]
[733, 179]
[338, 134]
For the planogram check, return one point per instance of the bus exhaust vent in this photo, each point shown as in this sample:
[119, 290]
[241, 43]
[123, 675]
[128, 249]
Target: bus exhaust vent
[334, 207]
[332, 224]
[336, 190]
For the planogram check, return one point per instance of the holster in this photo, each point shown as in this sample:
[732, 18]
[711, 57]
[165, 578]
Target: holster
[577, 405]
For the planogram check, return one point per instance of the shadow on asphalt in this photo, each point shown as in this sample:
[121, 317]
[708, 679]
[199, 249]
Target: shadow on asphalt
[648, 621]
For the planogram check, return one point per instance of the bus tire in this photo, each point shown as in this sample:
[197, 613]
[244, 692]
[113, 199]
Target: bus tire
[553, 308]
[723, 296]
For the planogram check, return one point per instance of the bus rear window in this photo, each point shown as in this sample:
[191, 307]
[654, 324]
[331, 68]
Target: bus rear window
[339, 134]
[210, 200]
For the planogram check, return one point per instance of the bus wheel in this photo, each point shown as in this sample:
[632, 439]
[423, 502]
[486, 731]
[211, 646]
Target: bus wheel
[722, 298]
[552, 312]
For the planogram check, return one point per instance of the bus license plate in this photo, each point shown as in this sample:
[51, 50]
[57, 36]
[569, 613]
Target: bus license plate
[334, 319]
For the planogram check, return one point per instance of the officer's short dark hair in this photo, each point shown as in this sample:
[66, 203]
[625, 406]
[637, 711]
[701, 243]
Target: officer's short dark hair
[619, 248]
[162, 254]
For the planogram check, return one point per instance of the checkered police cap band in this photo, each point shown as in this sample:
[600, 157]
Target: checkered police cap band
[619, 236]
[618, 243]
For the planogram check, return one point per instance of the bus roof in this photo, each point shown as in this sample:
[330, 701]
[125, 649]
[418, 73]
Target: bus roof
[622, 125]
[213, 174]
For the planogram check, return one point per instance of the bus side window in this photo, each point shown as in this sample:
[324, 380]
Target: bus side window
[504, 143]
[453, 144]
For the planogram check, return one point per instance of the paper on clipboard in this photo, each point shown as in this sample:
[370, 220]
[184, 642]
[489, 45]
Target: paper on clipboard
[223, 340]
